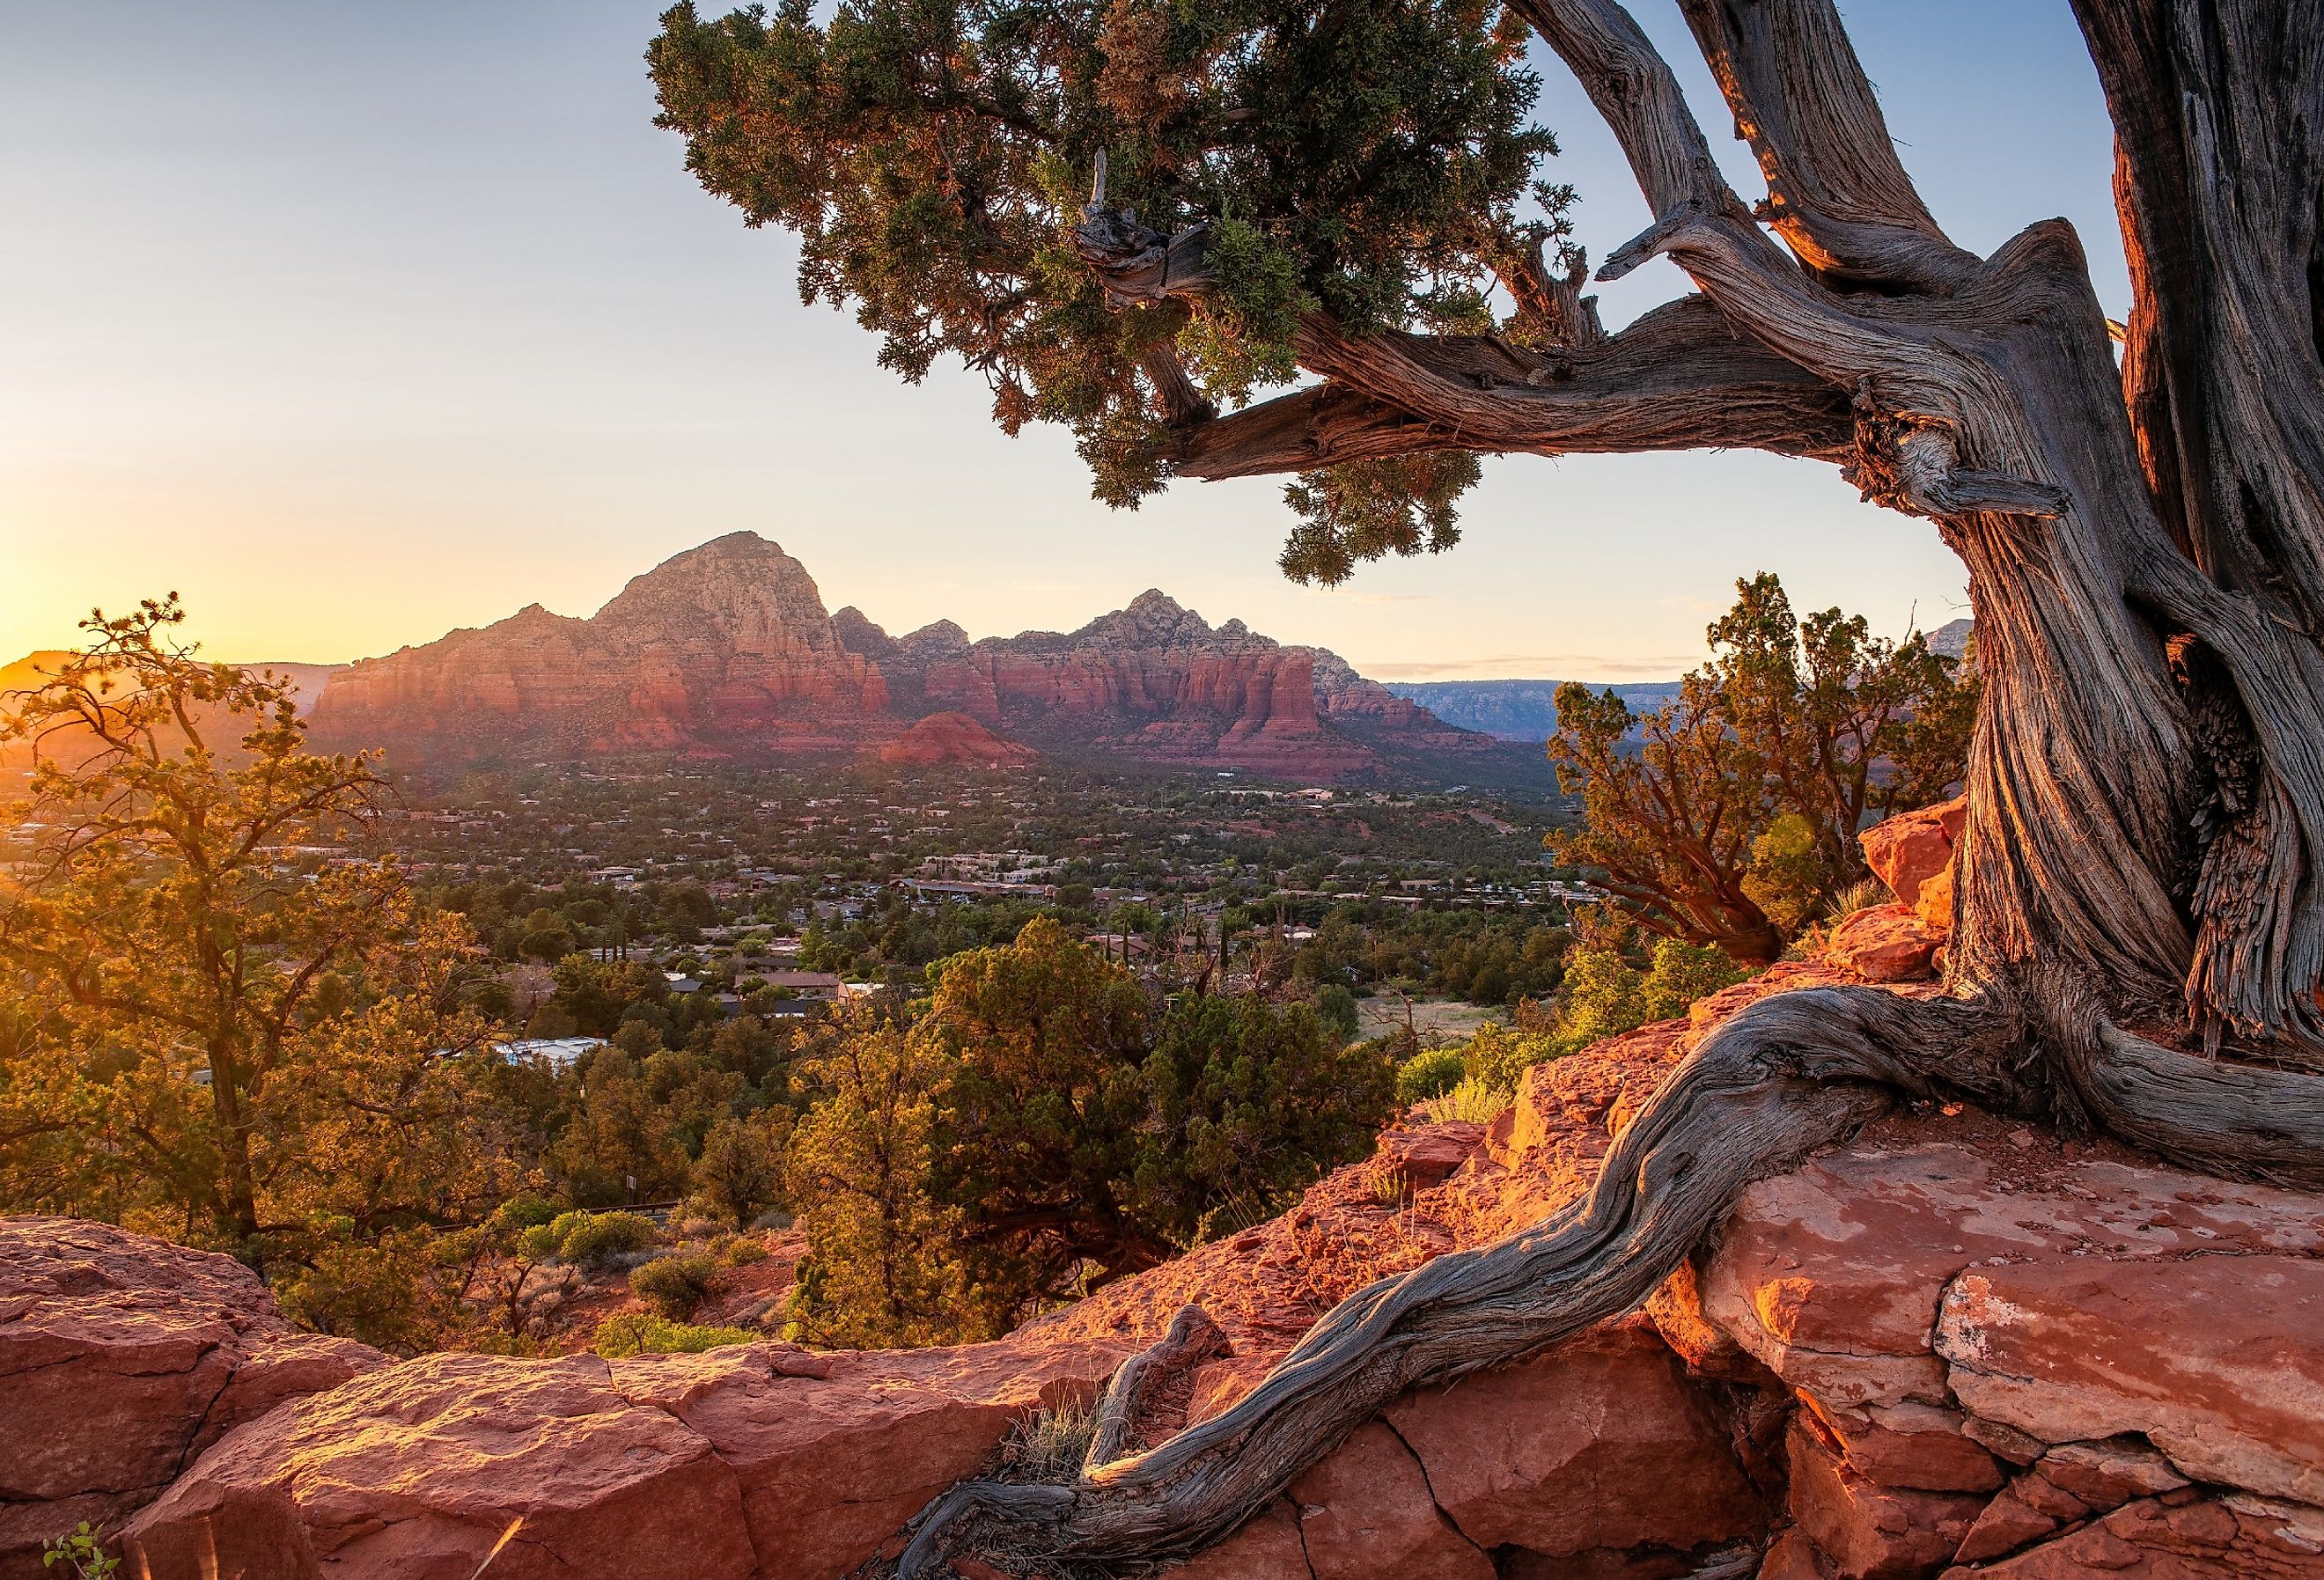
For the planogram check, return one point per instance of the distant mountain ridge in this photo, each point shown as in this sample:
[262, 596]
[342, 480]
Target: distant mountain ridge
[1518, 710]
[34, 670]
[1526, 710]
[726, 650]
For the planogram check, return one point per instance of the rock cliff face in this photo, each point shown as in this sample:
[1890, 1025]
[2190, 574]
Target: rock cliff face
[725, 647]
[727, 650]
[1155, 682]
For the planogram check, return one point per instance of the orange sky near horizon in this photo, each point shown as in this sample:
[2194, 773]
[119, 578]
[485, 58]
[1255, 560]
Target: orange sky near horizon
[356, 325]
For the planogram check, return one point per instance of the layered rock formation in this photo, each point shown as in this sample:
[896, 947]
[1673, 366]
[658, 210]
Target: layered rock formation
[724, 647]
[727, 650]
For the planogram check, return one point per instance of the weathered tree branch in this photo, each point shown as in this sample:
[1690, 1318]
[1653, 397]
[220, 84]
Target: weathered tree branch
[1836, 191]
[1787, 1076]
[1192, 1339]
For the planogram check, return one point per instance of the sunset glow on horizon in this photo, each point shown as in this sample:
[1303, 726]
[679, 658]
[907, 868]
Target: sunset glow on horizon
[358, 326]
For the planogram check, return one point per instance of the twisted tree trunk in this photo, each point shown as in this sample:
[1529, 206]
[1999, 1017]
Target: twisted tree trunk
[2141, 937]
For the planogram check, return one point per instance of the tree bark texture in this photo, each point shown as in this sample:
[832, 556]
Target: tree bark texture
[2140, 940]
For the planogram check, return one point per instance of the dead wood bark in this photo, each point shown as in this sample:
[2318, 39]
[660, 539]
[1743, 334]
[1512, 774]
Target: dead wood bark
[1192, 1339]
[2143, 863]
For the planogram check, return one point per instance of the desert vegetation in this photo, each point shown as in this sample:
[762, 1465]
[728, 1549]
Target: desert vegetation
[1134, 221]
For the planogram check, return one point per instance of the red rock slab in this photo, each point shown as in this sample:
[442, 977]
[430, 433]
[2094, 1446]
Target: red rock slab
[1883, 943]
[417, 1472]
[1830, 1276]
[1915, 1446]
[2003, 1526]
[1792, 1557]
[2219, 1361]
[830, 1465]
[1908, 850]
[2232, 1538]
[2108, 1475]
[1365, 1511]
[1869, 1531]
[1267, 1548]
[121, 1357]
[1600, 1442]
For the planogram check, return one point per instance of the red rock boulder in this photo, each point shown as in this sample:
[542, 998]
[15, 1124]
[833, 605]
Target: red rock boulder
[1883, 943]
[756, 1462]
[1601, 1443]
[121, 1358]
[1913, 848]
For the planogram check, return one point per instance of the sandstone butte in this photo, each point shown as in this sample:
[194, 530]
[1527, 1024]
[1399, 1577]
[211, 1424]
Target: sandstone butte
[1953, 1346]
[953, 738]
[726, 650]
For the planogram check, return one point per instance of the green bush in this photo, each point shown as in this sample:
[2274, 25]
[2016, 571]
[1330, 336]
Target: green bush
[640, 1332]
[81, 1551]
[527, 1211]
[1499, 1057]
[675, 1285]
[594, 1239]
[1474, 1099]
[743, 1250]
[1428, 1073]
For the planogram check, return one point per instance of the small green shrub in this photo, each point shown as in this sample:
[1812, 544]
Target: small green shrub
[527, 1211]
[1857, 897]
[1427, 1074]
[1474, 1099]
[1500, 1056]
[640, 1332]
[82, 1550]
[675, 1285]
[594, 1239]
[743, 1250]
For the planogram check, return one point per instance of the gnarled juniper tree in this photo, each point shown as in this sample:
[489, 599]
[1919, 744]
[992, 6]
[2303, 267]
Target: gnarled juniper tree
[1290, 188]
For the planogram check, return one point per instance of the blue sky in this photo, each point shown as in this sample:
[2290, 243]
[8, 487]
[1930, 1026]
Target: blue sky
[356, 323]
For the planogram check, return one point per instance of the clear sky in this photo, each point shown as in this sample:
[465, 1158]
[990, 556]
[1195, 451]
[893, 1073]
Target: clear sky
[358, 322]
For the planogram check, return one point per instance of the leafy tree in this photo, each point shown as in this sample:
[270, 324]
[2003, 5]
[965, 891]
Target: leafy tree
[932, 162]
[1042, 1042]
[1734, 822]
[1247, 1101]
[619, 1132]
[739, 1172]
[884, 1265]
[223, 1048]
[1331, 189]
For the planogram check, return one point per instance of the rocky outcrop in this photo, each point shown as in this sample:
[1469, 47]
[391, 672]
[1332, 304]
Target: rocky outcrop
[1156, 682]
[726, 650]
[954, 740]
[1913, 854]
[121, 1358]
[756, 1461]
[1951, 1346]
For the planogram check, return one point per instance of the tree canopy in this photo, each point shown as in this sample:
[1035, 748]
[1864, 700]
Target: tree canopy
[1372, 165]
[1731, 818]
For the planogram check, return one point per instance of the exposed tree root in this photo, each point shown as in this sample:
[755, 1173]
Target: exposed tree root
[1786, 1077]
[1193, 1339]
